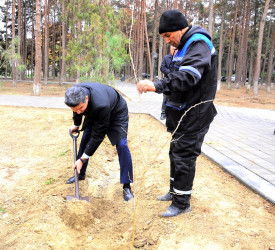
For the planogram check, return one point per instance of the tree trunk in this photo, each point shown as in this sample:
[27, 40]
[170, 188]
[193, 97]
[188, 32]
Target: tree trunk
[259, 49]
[266, 53]
[245, 42]
[154, 40]
[53, 45]
[42, 44]
[62, 78]
[239, 64]
[79, 30]
[71, 19]
[136, 38]
[251, 63]
[227, 62]
[24, 45]
[38, 56]
[19, 36]
[46, 44]
[141, 44]
[148, 47]
[210, 18]
[32, 48]
[175, 4]
[14, 62]
[161, 42]
[270, 62]
[131, 46]
[7, 44]
[222, 36]
[231, 57]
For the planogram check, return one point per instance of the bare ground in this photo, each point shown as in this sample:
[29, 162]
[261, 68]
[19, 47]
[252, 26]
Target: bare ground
[36, 160]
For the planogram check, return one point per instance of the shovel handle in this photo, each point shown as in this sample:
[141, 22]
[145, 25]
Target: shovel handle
[72, 135]
[77, 132]
[76, 184]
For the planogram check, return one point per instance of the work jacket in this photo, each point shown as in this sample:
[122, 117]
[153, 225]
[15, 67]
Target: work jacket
[192, 80]
[106, 113]
[166, 64]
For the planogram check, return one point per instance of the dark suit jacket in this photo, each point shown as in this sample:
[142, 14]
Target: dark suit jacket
[106, 113]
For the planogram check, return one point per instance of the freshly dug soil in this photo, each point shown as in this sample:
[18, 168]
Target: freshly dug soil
[77, 214]
[36, 160]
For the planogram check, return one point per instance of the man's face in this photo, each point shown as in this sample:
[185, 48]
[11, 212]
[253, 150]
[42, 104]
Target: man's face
[81, 107]
[173, 38]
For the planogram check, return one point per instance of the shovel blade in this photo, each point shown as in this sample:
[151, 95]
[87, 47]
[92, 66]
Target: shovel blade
[71, 197]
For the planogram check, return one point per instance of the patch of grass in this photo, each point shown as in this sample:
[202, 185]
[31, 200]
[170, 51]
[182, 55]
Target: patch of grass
[63, 153]
[2, 209]
[50, 181]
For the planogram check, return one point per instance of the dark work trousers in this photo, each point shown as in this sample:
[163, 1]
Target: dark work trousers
[124, 156]
[183, 154]
[163, 106]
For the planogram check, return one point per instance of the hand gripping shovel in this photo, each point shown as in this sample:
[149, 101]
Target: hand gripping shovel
[70, 197]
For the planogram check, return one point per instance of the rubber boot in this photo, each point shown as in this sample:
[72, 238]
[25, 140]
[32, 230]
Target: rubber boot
[166, 197]
[173, 211]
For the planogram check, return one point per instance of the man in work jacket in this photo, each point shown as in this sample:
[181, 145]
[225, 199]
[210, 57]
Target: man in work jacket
[192, 81]
[105, 112]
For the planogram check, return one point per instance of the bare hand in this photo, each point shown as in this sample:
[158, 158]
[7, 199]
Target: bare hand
[78, 165]
[74, 128]
[145, 85]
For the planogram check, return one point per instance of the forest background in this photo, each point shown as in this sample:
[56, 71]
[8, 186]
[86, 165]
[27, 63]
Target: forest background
[104, 40]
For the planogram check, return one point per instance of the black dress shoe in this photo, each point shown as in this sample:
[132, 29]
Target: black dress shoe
[166, 197]
[174, 211]
[127, 194]
[81, 177]
[163, 116]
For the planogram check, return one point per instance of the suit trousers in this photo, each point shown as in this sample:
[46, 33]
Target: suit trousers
[124, 156]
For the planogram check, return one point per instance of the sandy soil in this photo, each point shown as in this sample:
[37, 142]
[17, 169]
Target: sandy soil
[36, 160]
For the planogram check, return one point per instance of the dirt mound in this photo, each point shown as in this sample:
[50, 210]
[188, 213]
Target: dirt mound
[77, 214]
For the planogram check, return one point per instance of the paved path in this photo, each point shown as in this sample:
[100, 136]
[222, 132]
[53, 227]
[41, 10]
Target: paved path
[240, 140]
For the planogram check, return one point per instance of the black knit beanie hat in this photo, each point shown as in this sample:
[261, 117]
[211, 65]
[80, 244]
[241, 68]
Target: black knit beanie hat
[172, 20]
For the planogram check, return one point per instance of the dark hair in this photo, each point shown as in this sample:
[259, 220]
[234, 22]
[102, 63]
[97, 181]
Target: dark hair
[74, 96]
[172, 20]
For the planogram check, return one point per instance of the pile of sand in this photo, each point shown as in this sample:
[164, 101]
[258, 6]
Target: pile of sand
[77, 214]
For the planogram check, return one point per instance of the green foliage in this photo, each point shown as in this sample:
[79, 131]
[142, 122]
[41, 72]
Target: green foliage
[8, 55]
[63, 153]
[2, 56]
[66, 151]
[21, 67]
[50, 181]
[2, 209]
[216, 39]
[99, 48]
[116, 51]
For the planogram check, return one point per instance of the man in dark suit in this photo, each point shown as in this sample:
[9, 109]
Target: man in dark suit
[105, 112]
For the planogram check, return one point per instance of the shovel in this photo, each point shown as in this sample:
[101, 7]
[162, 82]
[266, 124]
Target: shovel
[77, 196]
